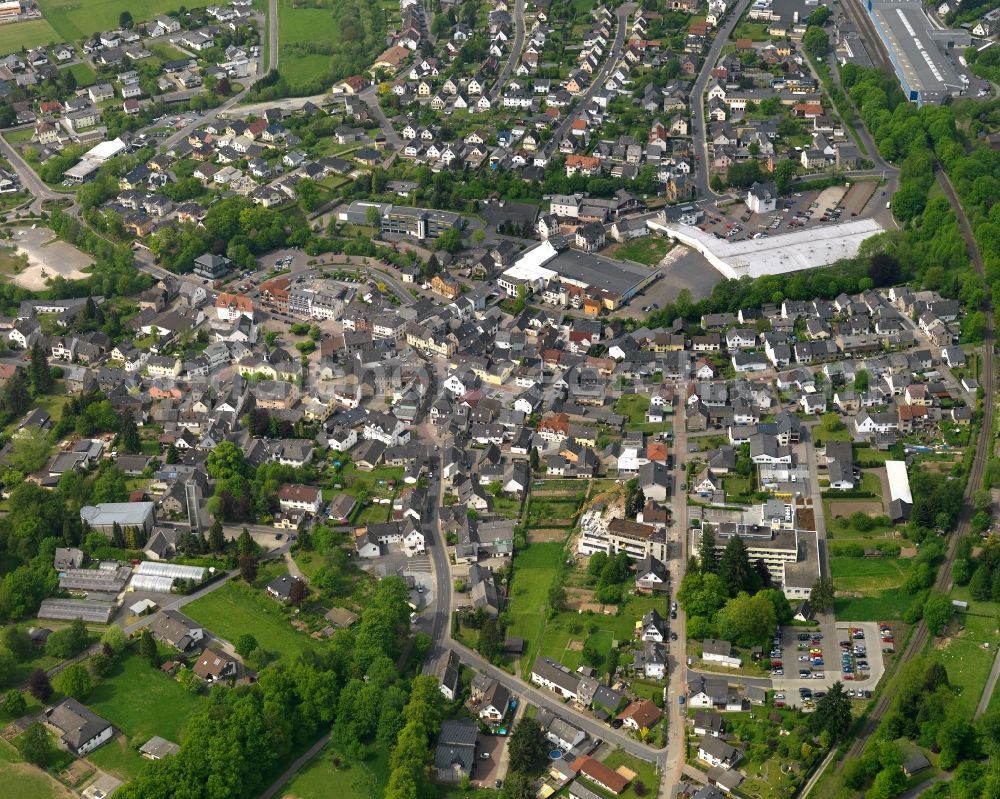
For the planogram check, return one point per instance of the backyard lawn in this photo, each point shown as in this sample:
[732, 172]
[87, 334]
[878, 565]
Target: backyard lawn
[634, 406]
[232, 610]
[142, 701]
[321, 778]
[645, 773]
[74, 20]
[534, 570]
[647, 250]
[32, 783]
[84, 74]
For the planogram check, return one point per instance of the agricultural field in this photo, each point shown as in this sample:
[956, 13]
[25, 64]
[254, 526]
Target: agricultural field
[73, 20]
[33, 33]
[233, 609]
[869, 576]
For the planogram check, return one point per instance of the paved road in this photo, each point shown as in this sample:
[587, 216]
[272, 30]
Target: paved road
[272, 35]
[672, 759]
[370, 98]
[30, 180]
[622, 15]
[991, 683]
[515, 50]
[700, 131]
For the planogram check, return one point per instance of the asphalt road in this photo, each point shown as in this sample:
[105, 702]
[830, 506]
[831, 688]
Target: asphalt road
[515, 50]
[622, 14]
[700, 130]
[370, 98]
[30, 180]
[272, 35]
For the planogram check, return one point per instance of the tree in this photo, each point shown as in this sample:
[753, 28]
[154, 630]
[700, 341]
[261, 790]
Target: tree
[557, 597]
[100, 664]
[536, 461]
[39, 685]
[14, 704]
[597, 563]
[526, 746]
[35, 745]
[819, 16]
[245, 644]
[297, 593]
[29, 451]
[980, 584]
[128, 434]
[518, 785]
[735, 570]
[74, 681]
[817, 43]
[216, 538]
[67, 642]
[888, 783]
[709, 557]
[783, 175]
[114, 638]
[41, 373]
[833, 713]
[746, 620]
[147, 649]
[18, 642]
[821, 596]
[125, 21]
[937, 612]
[248, 568]
[16, 398]
[492, 636]
[7, 665]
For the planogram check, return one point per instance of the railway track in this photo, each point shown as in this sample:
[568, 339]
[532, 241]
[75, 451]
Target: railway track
[918, 639]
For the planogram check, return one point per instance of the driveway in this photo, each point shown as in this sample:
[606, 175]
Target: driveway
[486, 770]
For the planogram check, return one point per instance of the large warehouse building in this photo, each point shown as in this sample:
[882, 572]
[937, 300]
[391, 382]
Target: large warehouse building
[917, 50]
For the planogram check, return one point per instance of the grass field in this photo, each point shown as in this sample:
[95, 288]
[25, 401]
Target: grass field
[84, 74]
[634, 406]
[967, 662]
[142, 701]
[32, 33]
[231, 611]
[647, 250]
[645, 773]
[321, 778]
[534, 570]
[869, 576]
[74, 19]
[24, 780]
[298, 26]
[889, 604]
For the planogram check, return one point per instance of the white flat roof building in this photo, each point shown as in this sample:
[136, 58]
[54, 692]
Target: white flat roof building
[899, 481]
[774, 255]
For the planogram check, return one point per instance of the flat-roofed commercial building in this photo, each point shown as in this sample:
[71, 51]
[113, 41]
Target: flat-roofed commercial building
[916, 50]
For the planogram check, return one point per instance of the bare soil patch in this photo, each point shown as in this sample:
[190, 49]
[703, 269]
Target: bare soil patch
[846, 507]
[543, 535]
[47, 257]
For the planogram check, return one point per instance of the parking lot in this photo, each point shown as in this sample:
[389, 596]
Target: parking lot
[800, 210]
[801, 669]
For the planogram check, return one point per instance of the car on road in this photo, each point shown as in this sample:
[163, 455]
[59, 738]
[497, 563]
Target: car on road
[778, 673]
[498, 783]
[779, 696]
[485, 755]
[803, 658]
[673, 636]
[680, 700]
[803, 674]
[818, 675]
